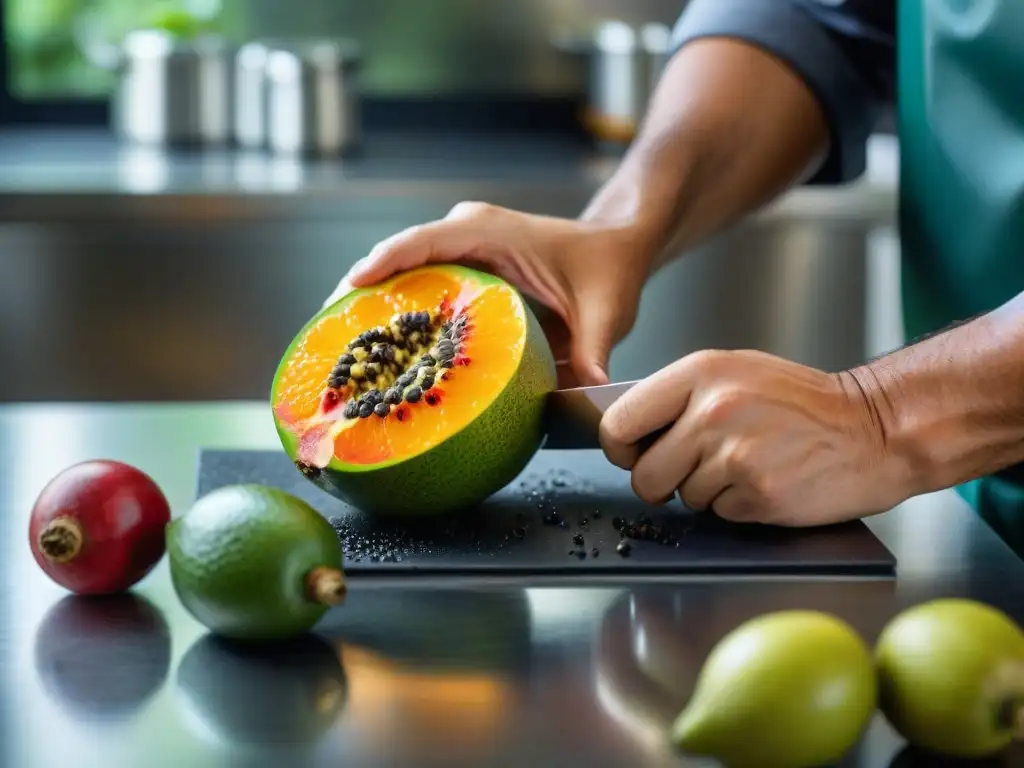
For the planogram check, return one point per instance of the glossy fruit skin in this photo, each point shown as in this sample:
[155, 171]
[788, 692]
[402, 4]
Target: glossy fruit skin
[240, 557]
[790, 689]
[944, 669]
[470, 465]
[121, 513]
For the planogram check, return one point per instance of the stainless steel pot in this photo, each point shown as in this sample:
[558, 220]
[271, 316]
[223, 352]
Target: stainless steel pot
[312, 98]
[171, 91]
[624, 64]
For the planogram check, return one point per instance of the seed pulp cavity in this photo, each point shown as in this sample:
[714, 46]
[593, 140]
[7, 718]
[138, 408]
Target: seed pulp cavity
[386, 368]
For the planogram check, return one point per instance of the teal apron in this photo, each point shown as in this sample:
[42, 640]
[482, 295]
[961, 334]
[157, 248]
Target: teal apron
[961, 127]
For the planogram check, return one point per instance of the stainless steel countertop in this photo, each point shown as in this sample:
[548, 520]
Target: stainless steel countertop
[496, 674]
[57, 175]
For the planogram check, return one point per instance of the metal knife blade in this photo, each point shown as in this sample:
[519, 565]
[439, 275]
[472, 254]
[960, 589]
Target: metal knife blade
[572, 416]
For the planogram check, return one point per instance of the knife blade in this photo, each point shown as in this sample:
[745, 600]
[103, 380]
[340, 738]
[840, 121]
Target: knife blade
[573, 416]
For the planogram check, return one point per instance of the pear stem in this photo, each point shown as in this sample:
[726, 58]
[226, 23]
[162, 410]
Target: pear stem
[61, 540]
[326, 585]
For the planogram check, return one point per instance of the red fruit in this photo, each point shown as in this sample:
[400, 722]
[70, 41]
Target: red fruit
[98, 527]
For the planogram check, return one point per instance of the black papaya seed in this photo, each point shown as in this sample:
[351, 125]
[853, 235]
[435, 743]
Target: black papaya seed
[343, 370]
[393, 396]
[382, 409]
[427, 383]
[413, 394]
[365, 410]
[346, 359]
[351, 409]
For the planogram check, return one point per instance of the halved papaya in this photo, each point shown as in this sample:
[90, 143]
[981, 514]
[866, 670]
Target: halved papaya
[419, 395]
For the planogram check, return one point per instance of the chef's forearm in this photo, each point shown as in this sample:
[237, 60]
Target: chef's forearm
[729, 128]
[951, 407]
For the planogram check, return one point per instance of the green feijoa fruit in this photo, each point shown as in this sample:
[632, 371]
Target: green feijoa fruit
[255, 563]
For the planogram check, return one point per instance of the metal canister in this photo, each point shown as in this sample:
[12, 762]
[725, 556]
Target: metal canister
[313, 100]
[172, 91]
[625, 64]
[250, 94]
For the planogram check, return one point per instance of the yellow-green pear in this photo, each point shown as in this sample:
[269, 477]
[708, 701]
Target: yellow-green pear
[789, 689]
[951, 677]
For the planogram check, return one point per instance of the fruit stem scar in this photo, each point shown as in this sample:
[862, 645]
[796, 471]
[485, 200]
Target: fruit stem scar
[61, 540]
[326, 585]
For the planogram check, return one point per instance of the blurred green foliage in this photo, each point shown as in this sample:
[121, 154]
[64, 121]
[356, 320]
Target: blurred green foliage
[48, 40]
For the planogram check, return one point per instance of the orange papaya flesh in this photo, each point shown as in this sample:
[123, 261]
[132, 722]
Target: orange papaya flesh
[419, 395]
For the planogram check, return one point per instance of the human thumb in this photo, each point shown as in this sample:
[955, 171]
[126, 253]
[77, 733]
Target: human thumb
[592, 340]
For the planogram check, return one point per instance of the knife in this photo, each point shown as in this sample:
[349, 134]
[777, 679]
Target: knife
[573, 416]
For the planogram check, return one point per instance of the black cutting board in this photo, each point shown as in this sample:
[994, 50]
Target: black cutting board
[530, 526]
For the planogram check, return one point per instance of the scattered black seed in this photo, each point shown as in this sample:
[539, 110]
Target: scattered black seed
[578, 539]
[393, 396]
[623, 548]
[446, 363]
[374, 397]
[405, 380]
[413, 394]
[618, 523]
[581, 554]
[346, 359]
[365, 409]
[595, 552]
[382, 409]
[351, 410]
[428, 382]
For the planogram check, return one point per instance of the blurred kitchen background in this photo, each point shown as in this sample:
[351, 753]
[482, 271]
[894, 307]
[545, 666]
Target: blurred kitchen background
[183, 183]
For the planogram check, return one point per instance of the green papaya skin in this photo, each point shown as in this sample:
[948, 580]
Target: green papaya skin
[255, 563]
[789, 689]
[951, 678]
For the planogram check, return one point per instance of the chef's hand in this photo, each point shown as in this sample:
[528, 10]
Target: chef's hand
[585, 273]
[755, 438]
